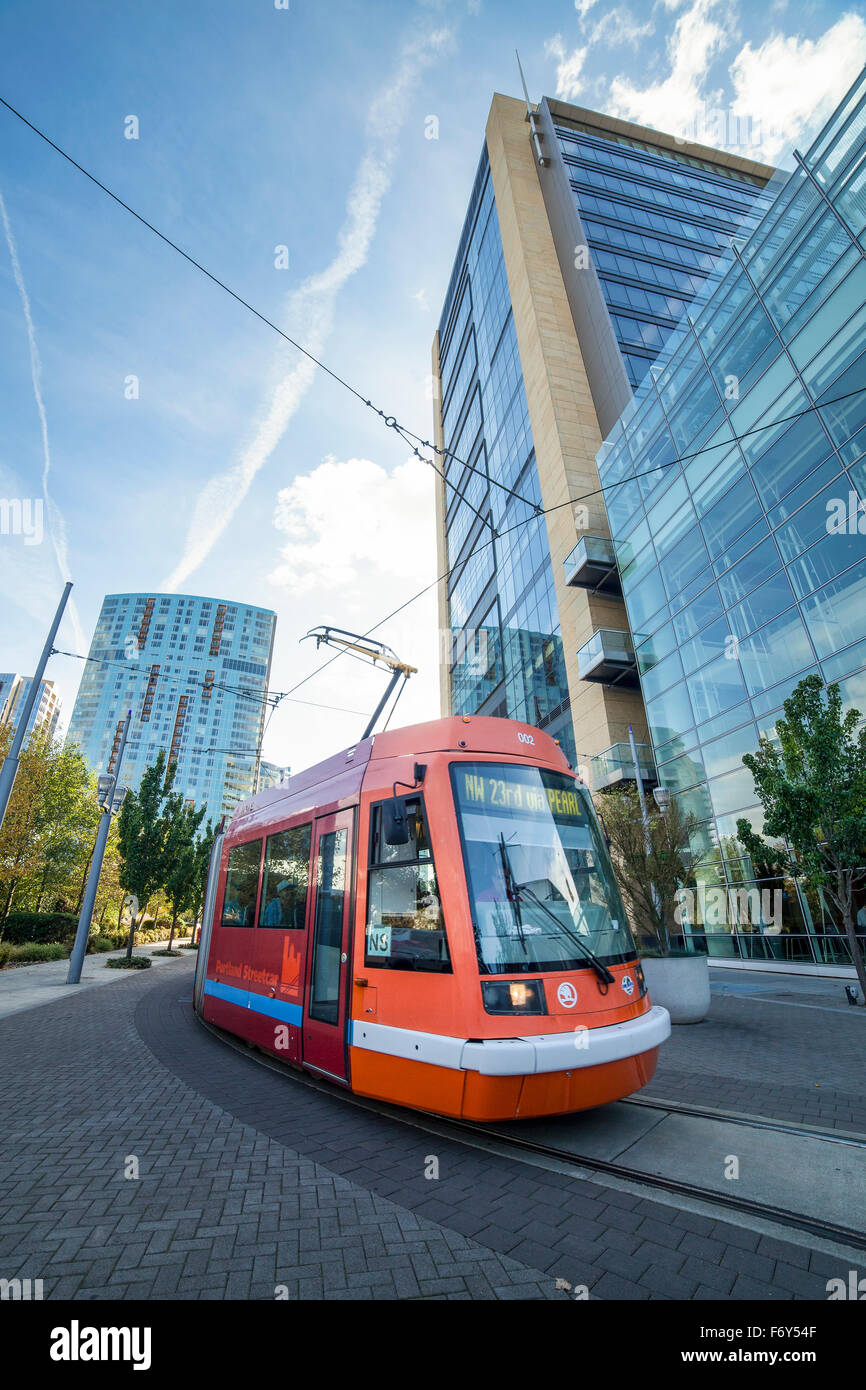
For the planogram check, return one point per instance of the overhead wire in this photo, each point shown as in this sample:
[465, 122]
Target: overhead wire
[573, 502]
[271, 697]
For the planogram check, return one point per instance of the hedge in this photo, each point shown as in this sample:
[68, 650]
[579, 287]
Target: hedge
[24, 928]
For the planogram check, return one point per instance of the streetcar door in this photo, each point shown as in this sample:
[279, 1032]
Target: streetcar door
[324, 1044]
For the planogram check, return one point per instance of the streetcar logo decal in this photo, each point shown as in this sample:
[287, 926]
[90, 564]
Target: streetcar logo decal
[567, 995]
[628, 984]
[526, 738]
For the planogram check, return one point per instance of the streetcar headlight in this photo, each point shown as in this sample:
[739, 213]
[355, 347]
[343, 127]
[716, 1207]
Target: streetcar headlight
[641, 981]
[513, 997]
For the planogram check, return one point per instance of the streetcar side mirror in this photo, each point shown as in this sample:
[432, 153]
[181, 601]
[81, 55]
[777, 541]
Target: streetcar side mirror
[394, 823]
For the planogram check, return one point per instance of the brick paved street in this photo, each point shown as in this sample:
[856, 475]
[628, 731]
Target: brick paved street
[781, 1046]
[249, 1181]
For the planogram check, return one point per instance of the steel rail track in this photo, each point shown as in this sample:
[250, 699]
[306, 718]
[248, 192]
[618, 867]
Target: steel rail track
[705, 1112]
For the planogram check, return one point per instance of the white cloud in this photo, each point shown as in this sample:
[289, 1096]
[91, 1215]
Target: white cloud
[358, 542]
[583, 7]
[678, 101]
[420, 298]
[310, 310]
[56, 523]
[619, 26]
[569, 83]
[349, 522]
[788, 86]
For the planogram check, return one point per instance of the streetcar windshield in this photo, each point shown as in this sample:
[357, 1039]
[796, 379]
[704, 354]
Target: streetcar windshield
[541, 888]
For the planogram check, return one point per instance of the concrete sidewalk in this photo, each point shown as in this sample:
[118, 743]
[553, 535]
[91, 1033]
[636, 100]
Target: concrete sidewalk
[44, 982]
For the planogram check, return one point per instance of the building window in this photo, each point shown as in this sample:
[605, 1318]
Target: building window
[405, 927]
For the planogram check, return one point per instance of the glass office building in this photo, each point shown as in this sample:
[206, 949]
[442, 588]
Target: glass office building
[738, 514]
[507, 656]
[194, 671]
[584, 240]
[654, 224]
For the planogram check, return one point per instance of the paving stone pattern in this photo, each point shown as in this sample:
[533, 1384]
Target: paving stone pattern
[784, 1061]
[250, 1181]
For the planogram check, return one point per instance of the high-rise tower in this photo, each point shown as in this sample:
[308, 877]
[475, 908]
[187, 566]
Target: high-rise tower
[584, 242]
[194, 672]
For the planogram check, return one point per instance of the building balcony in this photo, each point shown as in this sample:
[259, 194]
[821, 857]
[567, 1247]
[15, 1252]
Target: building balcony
[616, 765]
[592, 565]
[608, 657]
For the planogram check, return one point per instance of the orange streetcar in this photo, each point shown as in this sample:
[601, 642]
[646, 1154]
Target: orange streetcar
[430, 918]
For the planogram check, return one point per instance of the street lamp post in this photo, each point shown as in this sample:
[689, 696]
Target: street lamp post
[111, 798]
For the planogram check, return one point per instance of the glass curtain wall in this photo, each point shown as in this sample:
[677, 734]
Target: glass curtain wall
[507, 656]
[654, 225]
[739, 517]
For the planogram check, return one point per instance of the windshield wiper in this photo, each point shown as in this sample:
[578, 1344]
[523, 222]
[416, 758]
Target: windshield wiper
[512, 892]
[598, 966]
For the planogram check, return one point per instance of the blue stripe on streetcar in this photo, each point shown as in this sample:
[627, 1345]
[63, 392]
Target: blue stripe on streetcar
[272, 1008]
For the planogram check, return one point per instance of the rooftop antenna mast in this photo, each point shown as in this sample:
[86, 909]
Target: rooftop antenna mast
[533, 118]
[367, 649]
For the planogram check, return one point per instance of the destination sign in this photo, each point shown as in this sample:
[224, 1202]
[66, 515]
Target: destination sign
[498, 793]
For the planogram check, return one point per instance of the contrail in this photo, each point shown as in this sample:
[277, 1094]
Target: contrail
[56, 524]
[311, 307]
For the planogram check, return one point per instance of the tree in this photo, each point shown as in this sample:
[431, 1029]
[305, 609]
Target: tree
[144, 831]
[204, 846]
[650, 878]
[812, 787]
[47, 835]
[182, 861]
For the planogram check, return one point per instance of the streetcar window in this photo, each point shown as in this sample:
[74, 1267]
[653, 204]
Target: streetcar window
[541, 887]
[287, 879]
[242, 885]
[328, 935]
[405, 927]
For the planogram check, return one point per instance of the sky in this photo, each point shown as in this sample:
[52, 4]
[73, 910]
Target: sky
[316, 158]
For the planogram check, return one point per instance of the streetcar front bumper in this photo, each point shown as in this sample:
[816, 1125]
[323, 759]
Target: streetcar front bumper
[582, 1047]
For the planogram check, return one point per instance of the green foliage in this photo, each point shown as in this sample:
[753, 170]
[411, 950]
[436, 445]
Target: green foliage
[145, 831]
[48, 830]
[812, 788]
[128, 963]
[103, 943]
[31, 951]
[21, 927]
[182, 853]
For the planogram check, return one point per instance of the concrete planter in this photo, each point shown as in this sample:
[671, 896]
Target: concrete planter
[681, 984]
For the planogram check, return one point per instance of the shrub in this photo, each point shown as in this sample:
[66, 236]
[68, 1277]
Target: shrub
[166, 953]
[32, 951]
[135, 963]
[22, 928]
[103, 943]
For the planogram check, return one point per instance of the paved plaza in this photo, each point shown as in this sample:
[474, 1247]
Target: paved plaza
[143, 1158]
